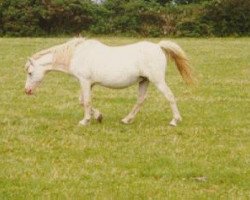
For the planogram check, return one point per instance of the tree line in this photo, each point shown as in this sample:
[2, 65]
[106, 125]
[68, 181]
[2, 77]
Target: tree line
[191, 18]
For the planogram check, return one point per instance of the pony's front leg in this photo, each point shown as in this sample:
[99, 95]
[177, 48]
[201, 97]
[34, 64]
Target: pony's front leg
[86, 101]
[94, 112]
[97, 114]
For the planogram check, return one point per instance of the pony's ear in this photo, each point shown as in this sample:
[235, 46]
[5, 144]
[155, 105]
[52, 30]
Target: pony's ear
[31, 61]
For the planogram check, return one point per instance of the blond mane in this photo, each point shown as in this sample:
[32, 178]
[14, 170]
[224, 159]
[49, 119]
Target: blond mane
[62, 53]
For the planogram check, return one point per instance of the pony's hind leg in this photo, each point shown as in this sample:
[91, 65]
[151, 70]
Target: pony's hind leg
[143, 85]
[162, 86]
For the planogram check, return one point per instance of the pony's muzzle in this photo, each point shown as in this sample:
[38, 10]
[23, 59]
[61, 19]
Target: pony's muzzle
[28, 91]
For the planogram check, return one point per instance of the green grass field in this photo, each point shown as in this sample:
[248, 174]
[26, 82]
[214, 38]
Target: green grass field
[44, 154]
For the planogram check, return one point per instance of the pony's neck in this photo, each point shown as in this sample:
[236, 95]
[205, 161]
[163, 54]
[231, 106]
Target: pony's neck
[48, 61]
[59, 57]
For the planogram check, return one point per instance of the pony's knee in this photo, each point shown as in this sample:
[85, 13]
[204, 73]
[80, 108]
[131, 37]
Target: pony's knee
[81, 100]
[86, 103]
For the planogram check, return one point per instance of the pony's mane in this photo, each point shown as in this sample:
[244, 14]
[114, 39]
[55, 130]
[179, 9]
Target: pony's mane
[62, 53]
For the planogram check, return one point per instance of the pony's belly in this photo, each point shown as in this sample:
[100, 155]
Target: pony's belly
[118, 83]
[115, 77]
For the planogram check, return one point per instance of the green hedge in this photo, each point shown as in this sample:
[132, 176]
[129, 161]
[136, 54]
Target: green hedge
[153, 18]
[227, 17]
[36, 17]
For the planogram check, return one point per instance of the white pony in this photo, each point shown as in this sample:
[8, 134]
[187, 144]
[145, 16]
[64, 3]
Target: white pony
[94, 63]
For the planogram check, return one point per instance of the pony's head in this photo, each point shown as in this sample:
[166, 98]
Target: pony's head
[35, 74]
[55, 58]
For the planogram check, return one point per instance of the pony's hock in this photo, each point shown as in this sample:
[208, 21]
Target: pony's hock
[94, 63]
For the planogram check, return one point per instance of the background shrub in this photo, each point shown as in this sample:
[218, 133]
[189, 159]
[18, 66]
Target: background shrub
[20, 18]
[227, 17]
[193, 18]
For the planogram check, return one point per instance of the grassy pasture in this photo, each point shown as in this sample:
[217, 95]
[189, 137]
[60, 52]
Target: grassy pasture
[44, 154]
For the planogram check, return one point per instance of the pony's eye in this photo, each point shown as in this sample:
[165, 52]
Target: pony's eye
[30, 73]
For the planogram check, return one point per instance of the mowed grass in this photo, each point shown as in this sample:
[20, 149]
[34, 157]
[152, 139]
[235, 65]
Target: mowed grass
[44, 154]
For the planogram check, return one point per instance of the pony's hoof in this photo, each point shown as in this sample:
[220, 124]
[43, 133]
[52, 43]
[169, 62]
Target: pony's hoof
[174, 122]
[84, 122]
[126, 121]
[99, 118]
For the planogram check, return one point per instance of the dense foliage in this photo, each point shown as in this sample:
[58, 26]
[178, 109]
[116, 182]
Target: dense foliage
[127, 17]
[227, 17]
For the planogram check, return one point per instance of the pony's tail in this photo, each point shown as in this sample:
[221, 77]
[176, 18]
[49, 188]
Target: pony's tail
[180, 58]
